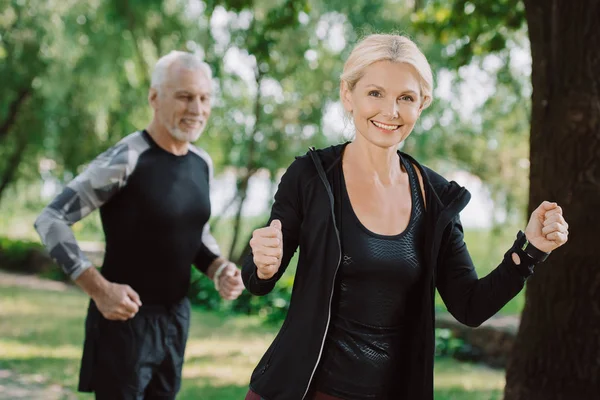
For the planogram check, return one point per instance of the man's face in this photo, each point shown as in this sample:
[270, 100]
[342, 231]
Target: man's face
[182, 104]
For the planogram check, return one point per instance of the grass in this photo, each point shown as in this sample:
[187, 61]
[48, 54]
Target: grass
[41, 333]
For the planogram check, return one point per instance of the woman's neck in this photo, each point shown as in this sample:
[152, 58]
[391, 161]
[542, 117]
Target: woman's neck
[371, 162]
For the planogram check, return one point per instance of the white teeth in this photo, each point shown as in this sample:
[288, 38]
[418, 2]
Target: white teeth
[386, 127]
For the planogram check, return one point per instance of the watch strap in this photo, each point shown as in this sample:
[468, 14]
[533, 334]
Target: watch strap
[529, 249]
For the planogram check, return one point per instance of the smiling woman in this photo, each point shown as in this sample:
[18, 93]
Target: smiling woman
[385, 103]
[378, 233]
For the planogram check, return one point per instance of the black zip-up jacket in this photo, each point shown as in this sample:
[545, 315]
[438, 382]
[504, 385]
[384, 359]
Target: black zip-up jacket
[307, 205]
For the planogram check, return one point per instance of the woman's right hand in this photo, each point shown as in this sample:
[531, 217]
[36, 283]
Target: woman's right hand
[267, 248]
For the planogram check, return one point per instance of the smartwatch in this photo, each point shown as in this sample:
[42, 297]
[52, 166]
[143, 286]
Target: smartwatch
[524, 246]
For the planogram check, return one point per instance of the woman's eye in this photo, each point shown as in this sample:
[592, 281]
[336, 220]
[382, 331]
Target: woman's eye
[407, 98]
[374, 93]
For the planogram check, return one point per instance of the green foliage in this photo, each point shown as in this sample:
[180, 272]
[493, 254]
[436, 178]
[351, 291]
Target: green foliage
[202, 292]
[24, 256]
[16, 252]
[446, 345]
[470, 28]
[84, 67]
[272, 308]
[470, 41]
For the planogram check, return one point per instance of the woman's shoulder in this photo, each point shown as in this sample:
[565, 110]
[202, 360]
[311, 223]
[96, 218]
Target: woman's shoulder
[430, 176]
[444, 189]
[305, 164]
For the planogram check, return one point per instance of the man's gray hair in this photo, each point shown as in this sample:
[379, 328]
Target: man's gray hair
[188, 60]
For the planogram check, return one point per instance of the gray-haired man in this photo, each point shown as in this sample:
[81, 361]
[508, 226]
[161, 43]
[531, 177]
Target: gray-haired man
[152, 189]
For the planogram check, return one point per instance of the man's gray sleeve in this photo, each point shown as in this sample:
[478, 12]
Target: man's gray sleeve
[101, 180]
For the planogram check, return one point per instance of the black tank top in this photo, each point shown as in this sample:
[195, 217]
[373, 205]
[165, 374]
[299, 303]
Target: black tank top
[362, 357]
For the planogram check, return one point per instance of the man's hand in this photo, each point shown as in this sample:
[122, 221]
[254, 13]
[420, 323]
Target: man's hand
[118, 302]
[267, 248]
[547, 229]
[230, 282]
[114, 301]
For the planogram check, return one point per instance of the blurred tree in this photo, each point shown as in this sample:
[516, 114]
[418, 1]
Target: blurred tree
[77, 75]
[555, 355]
[480, 121]
[271, 107]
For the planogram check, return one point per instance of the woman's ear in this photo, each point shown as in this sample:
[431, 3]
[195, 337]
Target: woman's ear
[422, 106]
[346, 97]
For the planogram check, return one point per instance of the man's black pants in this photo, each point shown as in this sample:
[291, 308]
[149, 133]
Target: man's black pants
[138, 359]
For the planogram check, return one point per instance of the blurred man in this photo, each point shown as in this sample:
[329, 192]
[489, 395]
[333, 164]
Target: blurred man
[152, 189]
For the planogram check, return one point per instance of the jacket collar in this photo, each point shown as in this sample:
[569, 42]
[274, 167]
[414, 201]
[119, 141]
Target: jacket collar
[448, 196]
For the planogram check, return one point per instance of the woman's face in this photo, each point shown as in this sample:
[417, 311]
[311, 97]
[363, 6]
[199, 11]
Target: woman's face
[385, 103]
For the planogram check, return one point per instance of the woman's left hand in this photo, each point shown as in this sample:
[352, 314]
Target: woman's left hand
[547, 229]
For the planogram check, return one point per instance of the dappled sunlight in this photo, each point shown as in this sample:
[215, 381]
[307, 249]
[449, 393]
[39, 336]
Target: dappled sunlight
[468, 377]
[219, 346]
[43, 303]
[15, 349]
[10, 308]
[219, 375]
[33, 282]
[223, 360]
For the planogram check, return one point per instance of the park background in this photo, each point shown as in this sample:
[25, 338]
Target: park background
[515, 119]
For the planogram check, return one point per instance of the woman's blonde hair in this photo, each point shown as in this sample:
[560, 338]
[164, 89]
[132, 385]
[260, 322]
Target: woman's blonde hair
[396, 48]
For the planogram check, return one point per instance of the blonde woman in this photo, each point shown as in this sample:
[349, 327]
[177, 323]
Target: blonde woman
[377, 234]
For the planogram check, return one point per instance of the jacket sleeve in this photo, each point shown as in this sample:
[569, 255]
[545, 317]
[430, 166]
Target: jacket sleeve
[102, 179]
[287, 208]
[472, 300]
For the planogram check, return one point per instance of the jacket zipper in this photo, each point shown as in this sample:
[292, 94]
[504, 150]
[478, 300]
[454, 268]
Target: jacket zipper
[275, 347]
[328, 314]
[337, 234]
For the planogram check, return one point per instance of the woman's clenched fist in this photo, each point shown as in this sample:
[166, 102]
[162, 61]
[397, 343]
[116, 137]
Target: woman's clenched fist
[267, 249]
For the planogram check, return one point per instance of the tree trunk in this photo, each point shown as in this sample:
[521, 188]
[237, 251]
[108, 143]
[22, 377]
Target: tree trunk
[242, 193]
[239, 260]
[214, 222]
[419, 4]
[556, 354]
[13, 111]
[242, 184]
[12, 165]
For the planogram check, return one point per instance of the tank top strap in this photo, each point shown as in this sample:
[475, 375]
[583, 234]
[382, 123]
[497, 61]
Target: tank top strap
[415, 186]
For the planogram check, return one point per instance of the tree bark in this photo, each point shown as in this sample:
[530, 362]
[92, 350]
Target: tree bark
[247, 248]
[419, 4]
[557, 351]
[242, 184]
[242, 193]
[12, 165]
[13, 111]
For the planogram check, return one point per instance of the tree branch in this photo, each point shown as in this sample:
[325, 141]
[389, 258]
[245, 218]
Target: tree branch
[419, 4]
[136, 47]
[13, 164]
[13, 111]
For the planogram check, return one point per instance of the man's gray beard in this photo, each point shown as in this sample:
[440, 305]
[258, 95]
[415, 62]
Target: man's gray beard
[182, 136]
